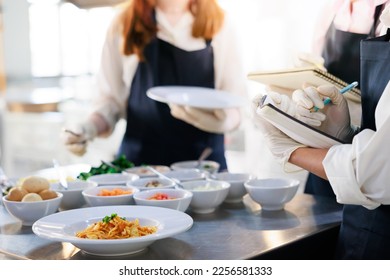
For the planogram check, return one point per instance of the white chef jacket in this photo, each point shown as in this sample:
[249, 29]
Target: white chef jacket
[360, 21]
[360, 172]
[117, 70]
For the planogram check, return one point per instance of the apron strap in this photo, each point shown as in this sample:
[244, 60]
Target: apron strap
[377, 13]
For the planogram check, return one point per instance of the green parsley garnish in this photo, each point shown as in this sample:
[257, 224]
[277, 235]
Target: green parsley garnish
[107, 219]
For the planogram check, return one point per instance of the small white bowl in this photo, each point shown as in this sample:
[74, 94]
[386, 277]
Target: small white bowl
[206, 165]
[112, 179]
[93, 198]
[184, 175]
[30, 212]
[272, 193]
[147, 184]
[207, 195]
[181, 198]
[237, 189]
[143, 172]
[72, 197]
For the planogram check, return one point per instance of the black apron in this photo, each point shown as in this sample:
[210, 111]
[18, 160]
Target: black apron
[342, 59]
[365, 234]
[152, 135]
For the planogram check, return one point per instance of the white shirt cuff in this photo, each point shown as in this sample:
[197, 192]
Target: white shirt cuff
[339, 167]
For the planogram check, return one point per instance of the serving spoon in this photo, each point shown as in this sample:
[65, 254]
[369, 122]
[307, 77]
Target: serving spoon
[206, 152]
[61, 176]
[176, 182]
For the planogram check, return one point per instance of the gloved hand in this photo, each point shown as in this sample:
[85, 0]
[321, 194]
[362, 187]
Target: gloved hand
[284, 103]
[214, 121]
[280, 145]
[76, 137]
[337, 119]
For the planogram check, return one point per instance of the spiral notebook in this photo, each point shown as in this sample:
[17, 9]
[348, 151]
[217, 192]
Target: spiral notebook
[294, 128]
[294, 79]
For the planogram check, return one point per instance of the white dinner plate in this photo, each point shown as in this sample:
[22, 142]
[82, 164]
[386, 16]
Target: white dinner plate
[199, 97]
[112, 178]
[62, 227]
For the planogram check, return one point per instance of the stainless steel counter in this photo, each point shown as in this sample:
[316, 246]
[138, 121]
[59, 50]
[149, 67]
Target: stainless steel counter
[234, 231]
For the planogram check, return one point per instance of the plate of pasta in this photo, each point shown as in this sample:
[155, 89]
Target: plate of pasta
[112, 230]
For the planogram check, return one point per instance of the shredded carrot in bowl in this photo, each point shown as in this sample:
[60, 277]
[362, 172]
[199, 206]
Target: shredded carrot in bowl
[113, 192]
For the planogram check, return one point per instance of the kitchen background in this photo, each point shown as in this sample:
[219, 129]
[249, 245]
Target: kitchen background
[50, 51]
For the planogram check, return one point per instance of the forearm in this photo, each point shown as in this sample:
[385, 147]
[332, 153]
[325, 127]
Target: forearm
[310, 159]
[233, 116]
[102, 127]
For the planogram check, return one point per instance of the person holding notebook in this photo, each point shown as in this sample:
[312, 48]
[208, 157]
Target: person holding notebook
[341, 27]
[156, 43]
[358, 172]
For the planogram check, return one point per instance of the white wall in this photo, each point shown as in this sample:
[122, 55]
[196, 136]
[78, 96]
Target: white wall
[17, 61]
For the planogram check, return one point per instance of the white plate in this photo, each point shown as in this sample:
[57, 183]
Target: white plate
[112, 178]
[63, 226]
[199, 97]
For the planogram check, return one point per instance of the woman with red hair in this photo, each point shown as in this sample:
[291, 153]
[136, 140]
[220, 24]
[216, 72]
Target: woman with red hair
[165, 42]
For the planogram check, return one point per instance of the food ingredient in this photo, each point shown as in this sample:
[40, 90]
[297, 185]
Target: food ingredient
[119, 164]
[35, 184]
[115, 227]
[153, 184]
[33, 188]
[31, 197]
[160, 196]
[47, 194]
[114, 192]
[16, 194]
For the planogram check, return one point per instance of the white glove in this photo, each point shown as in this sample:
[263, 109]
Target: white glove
[76, 137]
[280, 145]
[284, 103]
[337, 121]
[214, 121]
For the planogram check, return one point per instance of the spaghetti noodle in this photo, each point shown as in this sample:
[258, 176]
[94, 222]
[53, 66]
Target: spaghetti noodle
[115, 227]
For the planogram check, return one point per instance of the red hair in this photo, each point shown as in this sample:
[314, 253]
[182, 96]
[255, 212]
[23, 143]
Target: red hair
[139, 27]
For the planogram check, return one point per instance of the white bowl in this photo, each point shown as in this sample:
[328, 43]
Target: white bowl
[181, 199]
[207, 195]
[237, 189]
[206, 165]
[112, 179]
[72, 197]
[142, 183]
[93, 198]
[142, 171]
[272, 193]
[183, 175]
[30, 212]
